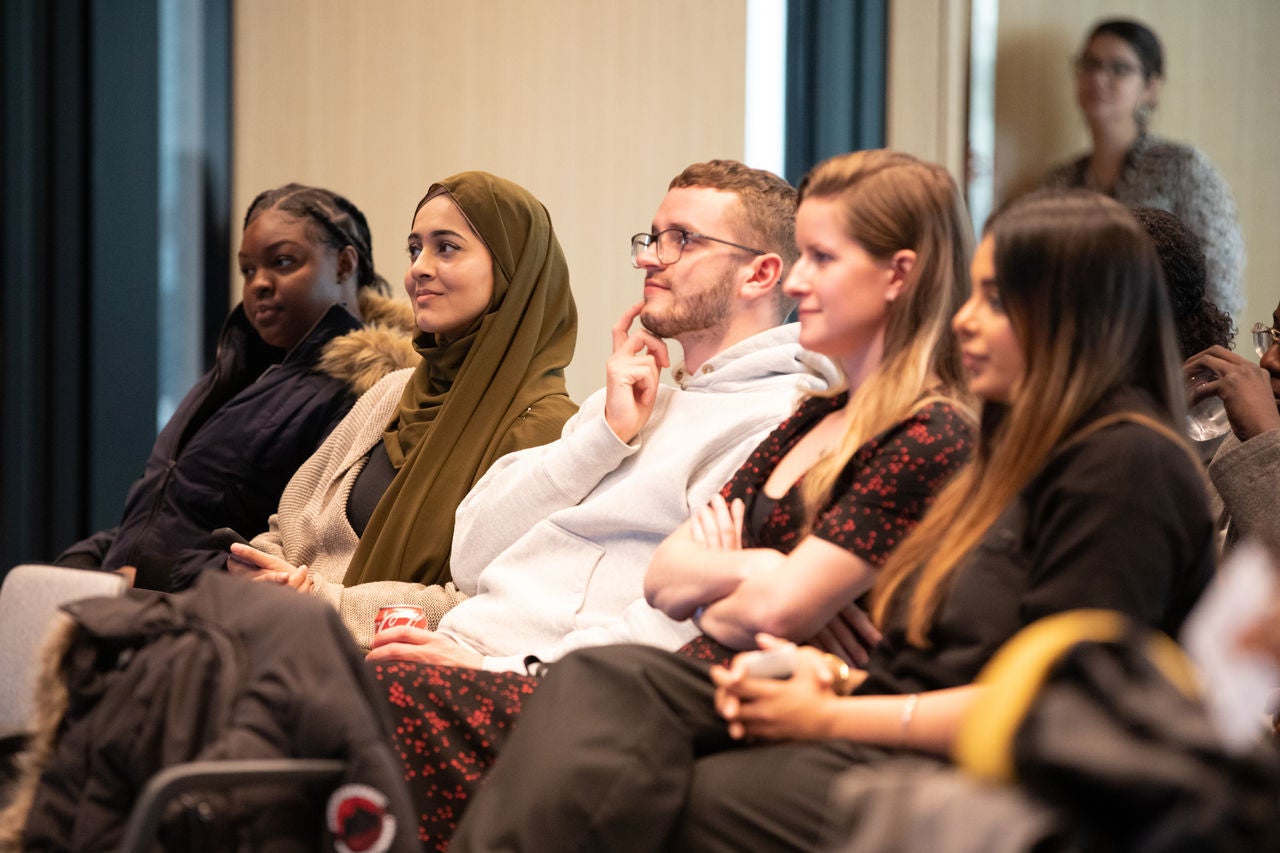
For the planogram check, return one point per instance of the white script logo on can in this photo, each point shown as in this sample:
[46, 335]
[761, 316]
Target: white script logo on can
[395, 615]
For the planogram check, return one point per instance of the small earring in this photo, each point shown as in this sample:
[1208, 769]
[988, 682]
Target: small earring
[1142, 115]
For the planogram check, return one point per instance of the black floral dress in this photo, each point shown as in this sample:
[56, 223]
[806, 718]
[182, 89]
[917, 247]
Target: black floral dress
[877, 499]
[450, 723]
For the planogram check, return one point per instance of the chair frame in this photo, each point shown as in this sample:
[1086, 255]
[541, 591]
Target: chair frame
[148, 811]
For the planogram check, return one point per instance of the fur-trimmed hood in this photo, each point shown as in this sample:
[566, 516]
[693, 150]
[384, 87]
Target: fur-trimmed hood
[362, 357]
[50, 700]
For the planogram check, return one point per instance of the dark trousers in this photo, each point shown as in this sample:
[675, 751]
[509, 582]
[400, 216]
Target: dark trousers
[621, 749]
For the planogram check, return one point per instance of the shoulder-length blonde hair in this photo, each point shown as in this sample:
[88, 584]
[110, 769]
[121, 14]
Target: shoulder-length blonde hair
[891, 201]
[1082, 287]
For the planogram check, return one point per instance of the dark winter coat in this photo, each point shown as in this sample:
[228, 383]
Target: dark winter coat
[228, 670]
[227, 453]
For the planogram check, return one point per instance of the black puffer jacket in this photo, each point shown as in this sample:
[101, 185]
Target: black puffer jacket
[226, 454]
[228, 670]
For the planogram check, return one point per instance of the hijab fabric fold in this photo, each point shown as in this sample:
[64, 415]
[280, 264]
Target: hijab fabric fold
[459, 408]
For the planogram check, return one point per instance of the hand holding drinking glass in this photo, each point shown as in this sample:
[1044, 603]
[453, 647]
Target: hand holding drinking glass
[1244, 389]
[1206, 416]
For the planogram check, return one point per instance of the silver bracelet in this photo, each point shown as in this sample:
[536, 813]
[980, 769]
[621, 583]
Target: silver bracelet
[908, 711]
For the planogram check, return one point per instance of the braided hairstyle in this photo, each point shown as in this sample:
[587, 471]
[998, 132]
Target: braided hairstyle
[331, 220]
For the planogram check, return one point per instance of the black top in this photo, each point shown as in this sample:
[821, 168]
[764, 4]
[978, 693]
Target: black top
[370, 485]
[1118, 520]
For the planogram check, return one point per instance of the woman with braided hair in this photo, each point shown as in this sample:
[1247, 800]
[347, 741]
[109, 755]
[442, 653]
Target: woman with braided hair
[285, 374]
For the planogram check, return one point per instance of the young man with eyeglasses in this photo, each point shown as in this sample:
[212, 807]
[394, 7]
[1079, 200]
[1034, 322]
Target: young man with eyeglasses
[552, 544]
[1246, 468]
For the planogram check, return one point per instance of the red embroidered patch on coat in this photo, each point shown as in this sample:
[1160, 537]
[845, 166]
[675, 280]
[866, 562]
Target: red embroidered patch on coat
[357, 816]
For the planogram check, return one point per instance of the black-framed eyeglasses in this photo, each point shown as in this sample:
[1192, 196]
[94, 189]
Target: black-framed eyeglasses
[1264, 338]
[1115, 70]
[670, 242]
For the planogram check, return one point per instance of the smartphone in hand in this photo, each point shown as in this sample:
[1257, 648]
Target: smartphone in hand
[774, 663]
[224, 537]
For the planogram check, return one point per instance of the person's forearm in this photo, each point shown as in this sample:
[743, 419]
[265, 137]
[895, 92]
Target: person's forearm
[793, 598]
[524, 488]
[923, 721]
[685, 575]
[1243, 478]
[749, 610]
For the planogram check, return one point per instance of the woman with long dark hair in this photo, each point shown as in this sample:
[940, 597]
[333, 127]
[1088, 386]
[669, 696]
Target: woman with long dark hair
[1083, 494]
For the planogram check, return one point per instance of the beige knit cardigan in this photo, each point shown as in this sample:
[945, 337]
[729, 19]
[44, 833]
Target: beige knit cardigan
[311, 526]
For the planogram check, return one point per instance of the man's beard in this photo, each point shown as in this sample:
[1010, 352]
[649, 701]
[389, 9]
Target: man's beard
[697, 312]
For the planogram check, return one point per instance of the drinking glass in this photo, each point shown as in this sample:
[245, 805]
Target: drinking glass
[1208, 418]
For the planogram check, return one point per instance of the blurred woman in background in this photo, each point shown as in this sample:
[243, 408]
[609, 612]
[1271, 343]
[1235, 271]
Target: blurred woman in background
[1119, 78]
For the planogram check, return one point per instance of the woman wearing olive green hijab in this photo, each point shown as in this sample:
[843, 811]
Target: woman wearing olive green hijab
[368, 520]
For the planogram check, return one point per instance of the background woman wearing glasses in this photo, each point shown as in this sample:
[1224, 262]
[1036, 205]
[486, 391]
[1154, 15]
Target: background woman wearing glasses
[1119, 77]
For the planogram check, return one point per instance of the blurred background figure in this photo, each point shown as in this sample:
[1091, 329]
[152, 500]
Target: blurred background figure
[1119, 77]
[1244, 468]
[1198, 322]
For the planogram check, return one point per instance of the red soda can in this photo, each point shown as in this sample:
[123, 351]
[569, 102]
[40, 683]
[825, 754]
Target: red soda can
[395, 615]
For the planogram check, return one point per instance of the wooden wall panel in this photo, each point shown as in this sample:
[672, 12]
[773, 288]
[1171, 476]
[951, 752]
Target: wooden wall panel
[593, 106]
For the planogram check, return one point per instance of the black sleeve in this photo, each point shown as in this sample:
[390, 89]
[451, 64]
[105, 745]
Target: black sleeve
[88, 553]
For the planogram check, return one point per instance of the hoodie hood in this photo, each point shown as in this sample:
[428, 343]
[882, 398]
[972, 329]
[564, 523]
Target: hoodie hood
[776, 351]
